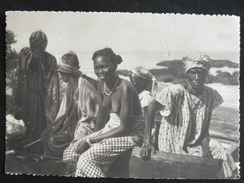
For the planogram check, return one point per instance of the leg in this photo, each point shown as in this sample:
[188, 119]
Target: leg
[96, 161]
[70, 154]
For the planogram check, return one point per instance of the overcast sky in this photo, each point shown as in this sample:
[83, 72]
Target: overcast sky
[128, 32]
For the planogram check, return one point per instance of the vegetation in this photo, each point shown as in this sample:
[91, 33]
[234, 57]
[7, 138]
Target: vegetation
[11, 64]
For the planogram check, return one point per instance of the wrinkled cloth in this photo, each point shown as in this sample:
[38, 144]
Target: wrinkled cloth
[185, 124]
[75, 118]
[196, 60]
[37, 92]
[97, 160]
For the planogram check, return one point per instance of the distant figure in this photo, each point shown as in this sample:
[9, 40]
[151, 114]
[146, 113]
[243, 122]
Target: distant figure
[119, 124]
[146, 87]
[76, 116]
[184, 128]
[37, 92]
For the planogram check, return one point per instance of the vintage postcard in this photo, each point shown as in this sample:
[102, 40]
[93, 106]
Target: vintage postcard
[122, 95]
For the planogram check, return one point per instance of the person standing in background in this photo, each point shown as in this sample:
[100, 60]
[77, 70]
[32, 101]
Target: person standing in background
[37, 92]
[146, 86]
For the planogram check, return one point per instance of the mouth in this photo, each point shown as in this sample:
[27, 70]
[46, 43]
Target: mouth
[101, 76]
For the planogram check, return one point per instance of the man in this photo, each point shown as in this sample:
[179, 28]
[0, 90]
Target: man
[184, 128]
[37, 92]
[76, 116]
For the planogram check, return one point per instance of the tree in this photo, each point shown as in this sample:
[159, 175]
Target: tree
[11, 54]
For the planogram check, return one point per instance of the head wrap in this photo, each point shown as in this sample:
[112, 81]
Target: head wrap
[38, 38]
[69, 63]
[143, 73]
[196, 60]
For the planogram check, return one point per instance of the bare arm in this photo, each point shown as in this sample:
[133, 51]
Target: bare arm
[150, 114]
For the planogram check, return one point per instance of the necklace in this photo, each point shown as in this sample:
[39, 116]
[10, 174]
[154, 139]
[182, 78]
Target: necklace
[109, 94]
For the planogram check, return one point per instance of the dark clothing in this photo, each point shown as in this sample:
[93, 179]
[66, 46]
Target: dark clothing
[37, 92]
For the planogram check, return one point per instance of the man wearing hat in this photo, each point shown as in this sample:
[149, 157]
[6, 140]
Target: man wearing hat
[37, 91]
[186, 112]
[76, 116]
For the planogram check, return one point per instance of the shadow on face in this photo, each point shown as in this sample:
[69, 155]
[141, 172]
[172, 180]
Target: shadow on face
[196, 77]
[65, 77]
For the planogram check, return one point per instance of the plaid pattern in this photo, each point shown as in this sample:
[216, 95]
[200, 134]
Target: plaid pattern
[70, 154]
[96, 160]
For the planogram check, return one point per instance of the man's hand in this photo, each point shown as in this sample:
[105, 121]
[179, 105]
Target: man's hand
[82, 147]
[146, 152]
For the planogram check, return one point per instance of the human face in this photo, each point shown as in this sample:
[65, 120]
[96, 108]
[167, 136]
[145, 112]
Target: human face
[37, 51]
[65, 77]
[196, 77]
[104, 68]
[137, 82]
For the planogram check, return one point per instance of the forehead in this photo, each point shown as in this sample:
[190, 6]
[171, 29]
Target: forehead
[196, 69]
[133, 76]
[100, 60]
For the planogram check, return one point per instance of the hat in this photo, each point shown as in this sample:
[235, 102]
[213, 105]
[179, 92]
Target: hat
[38, 38]
[69, 63]
[196, 60]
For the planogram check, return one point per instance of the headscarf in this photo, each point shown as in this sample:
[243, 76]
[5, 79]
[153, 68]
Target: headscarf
[69, 63]
[38, 38]
[143, 73]
[196, 60]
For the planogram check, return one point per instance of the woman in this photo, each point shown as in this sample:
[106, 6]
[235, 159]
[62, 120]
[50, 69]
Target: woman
[118, 101]
[79, 105]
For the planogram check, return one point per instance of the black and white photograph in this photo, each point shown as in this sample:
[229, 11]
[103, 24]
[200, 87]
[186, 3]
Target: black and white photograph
[122, 95]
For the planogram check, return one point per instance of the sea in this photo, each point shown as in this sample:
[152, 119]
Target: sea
[230, 93]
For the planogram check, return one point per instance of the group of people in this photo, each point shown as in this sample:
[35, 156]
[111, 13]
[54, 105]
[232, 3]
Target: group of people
[101, 120]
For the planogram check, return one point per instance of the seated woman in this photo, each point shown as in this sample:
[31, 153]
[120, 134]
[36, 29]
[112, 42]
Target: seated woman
[119, 124]
[78, 105]
[146, 86]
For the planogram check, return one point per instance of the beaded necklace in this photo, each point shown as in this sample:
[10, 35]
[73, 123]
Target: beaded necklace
[105, 86]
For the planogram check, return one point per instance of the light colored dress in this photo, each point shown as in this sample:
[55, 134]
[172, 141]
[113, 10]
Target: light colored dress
[186, 121]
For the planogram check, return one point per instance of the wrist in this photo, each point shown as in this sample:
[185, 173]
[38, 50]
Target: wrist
[88, 142]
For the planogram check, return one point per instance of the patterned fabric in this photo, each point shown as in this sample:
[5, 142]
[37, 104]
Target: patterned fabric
[38, 38]
[136, 135]
[69, 63]
[145, 74]
[78, 105]
[196, 59]
[96, 161]
[185, 122]
[37, 92]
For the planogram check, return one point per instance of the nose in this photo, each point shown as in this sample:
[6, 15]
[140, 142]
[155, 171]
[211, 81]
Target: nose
[100, 70]
[197, 76]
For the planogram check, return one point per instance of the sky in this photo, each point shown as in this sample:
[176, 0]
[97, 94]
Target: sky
[171, 35]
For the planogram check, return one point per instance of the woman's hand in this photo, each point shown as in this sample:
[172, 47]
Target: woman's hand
[82, 147]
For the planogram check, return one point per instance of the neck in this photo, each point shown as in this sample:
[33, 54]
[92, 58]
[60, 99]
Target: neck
[110, 84]
[195, 91]
[73, 80]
